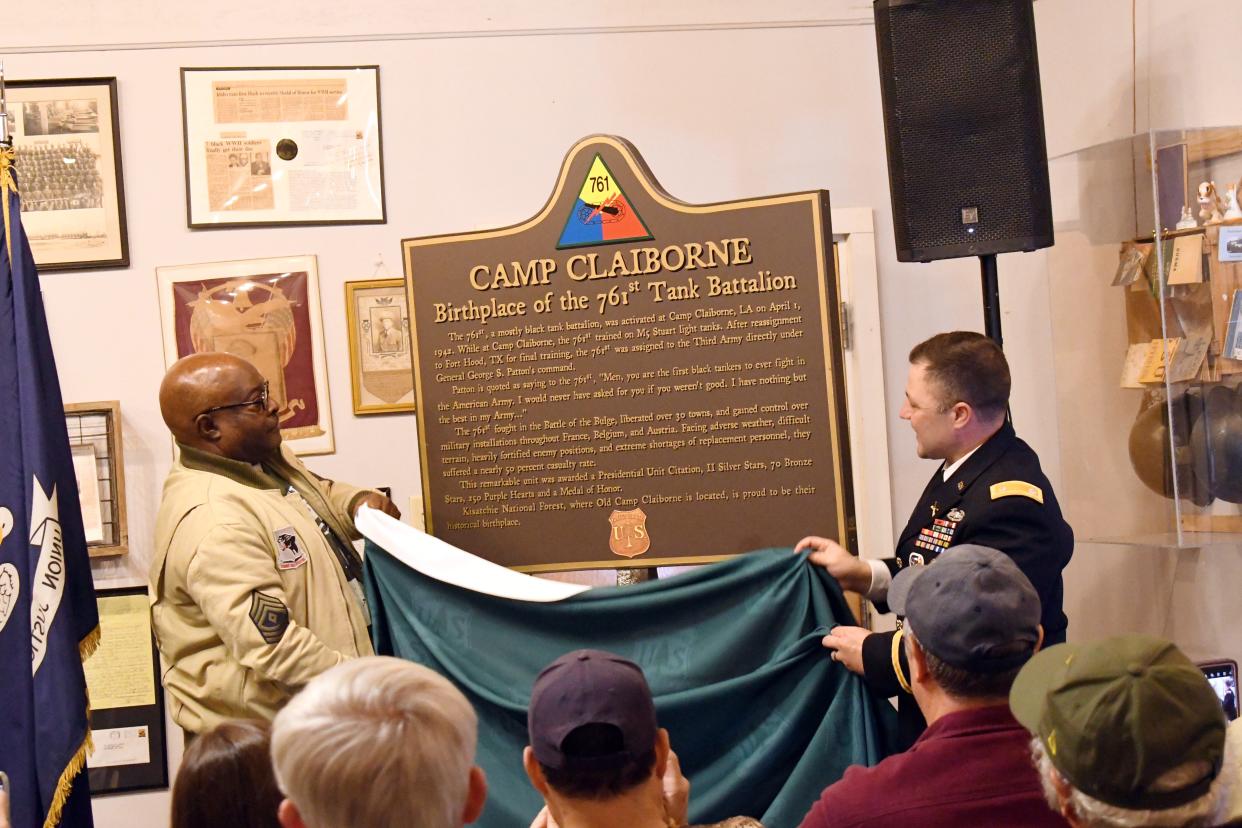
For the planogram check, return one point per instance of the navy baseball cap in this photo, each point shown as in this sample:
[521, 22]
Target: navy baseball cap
[591, 687]
[971, 607]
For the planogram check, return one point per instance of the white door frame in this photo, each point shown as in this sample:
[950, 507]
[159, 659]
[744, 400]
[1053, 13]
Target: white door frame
[853, 231]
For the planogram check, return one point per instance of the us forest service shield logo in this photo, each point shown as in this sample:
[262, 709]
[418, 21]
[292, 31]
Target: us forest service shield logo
[629, 537]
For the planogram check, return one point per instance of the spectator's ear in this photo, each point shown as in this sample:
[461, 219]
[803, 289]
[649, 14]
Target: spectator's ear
[1039, 643]
[661, 753]
[476, 795]
[914, 655]
[534, 772]
[289, 816]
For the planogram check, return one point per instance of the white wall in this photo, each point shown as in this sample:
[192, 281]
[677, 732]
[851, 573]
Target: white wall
[724, 99]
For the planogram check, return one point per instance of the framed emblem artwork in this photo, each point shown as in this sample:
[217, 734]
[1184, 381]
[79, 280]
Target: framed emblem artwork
[381, 370]
[265, 311]
[67, 153]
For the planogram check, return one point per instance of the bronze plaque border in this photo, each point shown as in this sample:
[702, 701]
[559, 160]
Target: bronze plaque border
[816, 201]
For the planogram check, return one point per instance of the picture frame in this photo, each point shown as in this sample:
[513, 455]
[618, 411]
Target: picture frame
[266, 311]
[1172, 183]
[128, 730]
[271, 146]
[94, 430]
[67, 141]
[381, 369]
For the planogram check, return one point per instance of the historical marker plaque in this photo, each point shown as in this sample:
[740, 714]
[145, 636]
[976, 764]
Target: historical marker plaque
[628, 380]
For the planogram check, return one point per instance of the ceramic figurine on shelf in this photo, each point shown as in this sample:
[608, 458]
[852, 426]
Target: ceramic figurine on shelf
[1234, 210]
[1187, 221]
[1209, 203]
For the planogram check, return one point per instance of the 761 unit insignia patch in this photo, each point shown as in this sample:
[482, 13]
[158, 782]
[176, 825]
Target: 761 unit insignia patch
[270, 616]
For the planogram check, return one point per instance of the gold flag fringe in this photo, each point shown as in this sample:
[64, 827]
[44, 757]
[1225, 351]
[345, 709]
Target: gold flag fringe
[7, 182]
[87, 646]
[64, 787]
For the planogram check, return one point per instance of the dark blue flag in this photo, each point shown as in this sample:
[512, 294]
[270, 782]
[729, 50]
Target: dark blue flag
[49, 621]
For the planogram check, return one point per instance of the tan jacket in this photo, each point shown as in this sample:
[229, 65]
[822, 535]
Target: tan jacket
[248, 599]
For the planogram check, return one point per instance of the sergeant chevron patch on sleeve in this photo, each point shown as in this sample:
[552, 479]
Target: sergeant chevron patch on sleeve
[1017, 487]
[270, 616]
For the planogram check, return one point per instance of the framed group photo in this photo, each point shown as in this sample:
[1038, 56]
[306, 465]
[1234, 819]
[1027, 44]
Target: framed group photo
[381, 369]
[271, 146]
[267, 312]
[67, 148]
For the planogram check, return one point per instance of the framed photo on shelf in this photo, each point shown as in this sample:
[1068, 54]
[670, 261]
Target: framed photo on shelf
[295, 145]
[1172, 183]
[267, 312]
[380, 368]
[127, 702]
[94, 430]
[67, 145]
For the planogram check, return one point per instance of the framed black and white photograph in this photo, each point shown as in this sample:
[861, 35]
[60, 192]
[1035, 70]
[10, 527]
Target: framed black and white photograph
[67, 146]
[282, 146]
[381, 370]
[129, 744]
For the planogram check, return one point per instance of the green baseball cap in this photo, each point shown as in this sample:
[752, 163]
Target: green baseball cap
[1116, 715]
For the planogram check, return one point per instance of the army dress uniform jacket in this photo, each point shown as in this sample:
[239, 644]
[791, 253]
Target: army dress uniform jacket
[1000, 498]
[248, 599]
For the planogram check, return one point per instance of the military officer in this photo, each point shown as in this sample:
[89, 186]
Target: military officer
[989, 490]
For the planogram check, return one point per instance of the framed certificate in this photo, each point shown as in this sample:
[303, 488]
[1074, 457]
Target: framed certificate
[265, 311]
[282, 146]
[381, 370]
[130, 751]
[67, 144]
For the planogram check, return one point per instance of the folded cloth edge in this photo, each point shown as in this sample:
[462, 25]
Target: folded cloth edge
[430, 556]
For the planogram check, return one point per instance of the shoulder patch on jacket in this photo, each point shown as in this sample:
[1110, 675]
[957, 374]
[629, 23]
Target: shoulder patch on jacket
[270, 616]
[1017, 487]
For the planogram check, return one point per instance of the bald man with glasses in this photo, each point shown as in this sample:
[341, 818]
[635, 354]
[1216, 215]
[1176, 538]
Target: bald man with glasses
[255, 585]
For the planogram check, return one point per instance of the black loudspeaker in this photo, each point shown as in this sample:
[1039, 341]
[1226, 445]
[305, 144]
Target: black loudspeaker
[967, 164]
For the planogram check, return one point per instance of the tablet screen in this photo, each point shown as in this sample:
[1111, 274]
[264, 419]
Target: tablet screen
[1223, 676]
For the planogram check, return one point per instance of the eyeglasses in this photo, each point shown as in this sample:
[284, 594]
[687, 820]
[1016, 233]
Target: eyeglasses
[258, 404]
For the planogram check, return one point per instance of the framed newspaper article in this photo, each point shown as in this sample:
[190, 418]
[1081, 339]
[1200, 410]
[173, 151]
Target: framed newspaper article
[380, 368]
[67, 146]
[282, 146]
[265, 311]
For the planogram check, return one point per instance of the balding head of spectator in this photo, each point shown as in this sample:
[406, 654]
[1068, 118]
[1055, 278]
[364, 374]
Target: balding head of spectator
[972, 621]
[1127, 732]
[378, 742]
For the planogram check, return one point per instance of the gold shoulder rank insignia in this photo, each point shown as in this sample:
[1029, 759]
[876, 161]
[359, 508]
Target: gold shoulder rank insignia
[1017, 487]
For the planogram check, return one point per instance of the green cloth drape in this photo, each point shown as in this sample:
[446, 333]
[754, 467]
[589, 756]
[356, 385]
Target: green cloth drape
[760, 717]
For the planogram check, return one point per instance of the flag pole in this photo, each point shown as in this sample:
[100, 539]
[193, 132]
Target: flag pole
[6, 137]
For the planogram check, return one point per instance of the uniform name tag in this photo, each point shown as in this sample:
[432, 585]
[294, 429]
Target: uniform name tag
[289, 554]
[1017, 487]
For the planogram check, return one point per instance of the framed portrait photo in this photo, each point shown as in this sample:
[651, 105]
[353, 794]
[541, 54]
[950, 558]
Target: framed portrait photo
[381, 370]
[267, 312]
[67, 144]
[282, 146]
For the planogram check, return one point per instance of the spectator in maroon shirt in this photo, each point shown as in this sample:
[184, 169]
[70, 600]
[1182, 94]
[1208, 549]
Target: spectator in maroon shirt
[971, 622]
